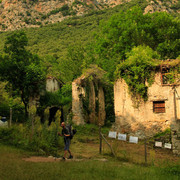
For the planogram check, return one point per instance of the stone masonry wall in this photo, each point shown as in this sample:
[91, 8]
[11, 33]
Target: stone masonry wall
[92, 103]
[102, 112]
[52, 84]
[143, 120]
[95, 116]
[77, 106]
[175, 125]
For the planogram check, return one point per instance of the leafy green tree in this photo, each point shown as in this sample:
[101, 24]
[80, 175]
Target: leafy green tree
[8, 99]
[59, 98]
[72, 66]
[124, 30]
[21, 68]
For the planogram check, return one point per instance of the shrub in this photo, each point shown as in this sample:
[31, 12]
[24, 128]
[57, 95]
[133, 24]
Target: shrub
[42, 138]
[28, 13]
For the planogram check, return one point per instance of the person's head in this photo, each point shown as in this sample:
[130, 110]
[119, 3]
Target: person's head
[63, 124]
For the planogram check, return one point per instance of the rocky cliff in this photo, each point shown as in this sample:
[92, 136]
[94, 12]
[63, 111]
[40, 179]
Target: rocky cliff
[17, 14]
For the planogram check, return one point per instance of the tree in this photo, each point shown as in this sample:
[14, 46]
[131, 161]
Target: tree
[21, 68]
[71, 67]
[125, 30]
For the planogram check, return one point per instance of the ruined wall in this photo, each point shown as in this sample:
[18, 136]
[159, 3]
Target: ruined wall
[52, 84]
[97, 114]
[143, 121]
[92, 103]
[77, 106]
[175, 125]
[101, 112]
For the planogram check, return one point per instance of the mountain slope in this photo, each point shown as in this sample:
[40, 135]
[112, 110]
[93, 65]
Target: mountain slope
[17, 14]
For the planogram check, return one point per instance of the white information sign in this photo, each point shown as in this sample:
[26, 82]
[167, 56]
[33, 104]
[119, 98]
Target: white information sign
[133, 139]
[122, 137]
[158, 144]
[3, 124]
[112, 134]
[167, 145]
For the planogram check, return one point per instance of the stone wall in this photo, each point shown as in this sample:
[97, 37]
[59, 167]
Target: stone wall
[92, 103]
[96, 115]
[175, 125]
[52, 84]
[143, 121]
[101, 112]
[77, 106]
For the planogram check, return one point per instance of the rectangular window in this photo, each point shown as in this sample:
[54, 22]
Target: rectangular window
[165, 75]
[159, 106]
[169, 76]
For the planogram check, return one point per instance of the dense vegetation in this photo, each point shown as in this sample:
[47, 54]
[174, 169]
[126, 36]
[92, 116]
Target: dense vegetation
[109, 38]
[124, 42]
[21, 68]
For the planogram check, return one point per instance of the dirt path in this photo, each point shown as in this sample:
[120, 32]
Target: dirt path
[53, 159]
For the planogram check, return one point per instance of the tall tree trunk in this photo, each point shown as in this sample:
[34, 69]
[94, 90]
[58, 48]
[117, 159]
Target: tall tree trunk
[26, 110]
[25, 101]
[62, 114]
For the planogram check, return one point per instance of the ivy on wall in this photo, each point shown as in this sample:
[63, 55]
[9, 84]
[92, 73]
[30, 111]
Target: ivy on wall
[138, 70]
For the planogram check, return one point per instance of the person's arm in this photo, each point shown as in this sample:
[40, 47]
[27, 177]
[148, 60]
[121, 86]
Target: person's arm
[59, 134]
[66, 135]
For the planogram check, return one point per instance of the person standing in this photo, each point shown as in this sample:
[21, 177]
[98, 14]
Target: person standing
[67, 140]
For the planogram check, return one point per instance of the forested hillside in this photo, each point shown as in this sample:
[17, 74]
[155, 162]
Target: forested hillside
[18, 14]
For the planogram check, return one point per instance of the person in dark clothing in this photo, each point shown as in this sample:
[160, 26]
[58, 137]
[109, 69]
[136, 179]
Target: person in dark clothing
[66, 134]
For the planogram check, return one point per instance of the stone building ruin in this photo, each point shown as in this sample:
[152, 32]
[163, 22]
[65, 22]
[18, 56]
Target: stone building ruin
[52, 85]
[159, 112]
[88, 101]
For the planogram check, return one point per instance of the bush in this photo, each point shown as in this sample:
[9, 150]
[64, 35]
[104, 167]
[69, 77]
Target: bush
[42, 139]
[17, 112]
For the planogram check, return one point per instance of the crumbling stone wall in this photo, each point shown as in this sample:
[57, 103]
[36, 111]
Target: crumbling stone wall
[175, 125]
[101, 112]
[92, 103]
[96, 114]
[77, 106]
[48, 113]
[52, 85]
[175, 136]
[143, 121]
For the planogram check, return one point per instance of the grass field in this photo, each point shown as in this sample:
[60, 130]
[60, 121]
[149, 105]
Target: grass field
[128, 165]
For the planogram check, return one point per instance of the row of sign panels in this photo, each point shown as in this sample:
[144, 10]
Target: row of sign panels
[123, 137]
[160, 144]
[133, 139]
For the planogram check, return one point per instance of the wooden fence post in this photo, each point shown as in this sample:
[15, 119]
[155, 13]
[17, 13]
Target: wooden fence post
[145, 150]
[10, 118]
[100, 141]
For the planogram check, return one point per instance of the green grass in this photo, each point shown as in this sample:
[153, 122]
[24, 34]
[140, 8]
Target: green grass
[13, 167]
[85, 145]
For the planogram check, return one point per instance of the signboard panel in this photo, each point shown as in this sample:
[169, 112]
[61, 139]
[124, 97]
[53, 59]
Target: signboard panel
[167, 145]
[158, 144]
[3, 124]
[112, 134]
[133, 139]
[122, 137]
